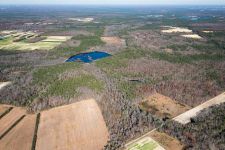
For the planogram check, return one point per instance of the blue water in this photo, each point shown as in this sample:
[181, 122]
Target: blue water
[88, 57]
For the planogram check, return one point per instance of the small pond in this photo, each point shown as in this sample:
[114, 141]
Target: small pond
[88, 57]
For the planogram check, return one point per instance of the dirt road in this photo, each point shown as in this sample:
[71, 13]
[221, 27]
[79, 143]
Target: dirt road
[185, 117]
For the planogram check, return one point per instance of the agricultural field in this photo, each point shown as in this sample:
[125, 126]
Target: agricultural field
[21, 136]
[16, 40]
[79, 125]
[85, 20]
[145, 144]
[10, 119]
[155, 140]
[3, 110]
[164, 61]
[83, 127]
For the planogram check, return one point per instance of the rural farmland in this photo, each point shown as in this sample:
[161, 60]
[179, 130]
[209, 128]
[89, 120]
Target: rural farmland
[83, 127]
[79, 125]
[137, 77]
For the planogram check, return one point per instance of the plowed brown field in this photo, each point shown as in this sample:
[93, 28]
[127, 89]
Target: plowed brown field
[21, 136]
[79, 126]
[9, 119]
[3, 109]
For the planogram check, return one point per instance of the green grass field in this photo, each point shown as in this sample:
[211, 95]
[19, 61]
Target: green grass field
[47, 44]
[144, 144]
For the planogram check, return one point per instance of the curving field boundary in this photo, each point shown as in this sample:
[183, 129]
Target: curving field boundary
[78, 126]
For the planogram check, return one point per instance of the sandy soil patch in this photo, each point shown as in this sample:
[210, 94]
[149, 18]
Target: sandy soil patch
[167, 142]
[185, 117]
[8, 120]
[28, 23]
[154, 40]
[176, 30]
[207, 31]
[162, 106]
[8, 31]
[112, 40]
[57, 38]
[82, 19]
[76, 126]
[192, 36]
[21, 136]
[4, 84]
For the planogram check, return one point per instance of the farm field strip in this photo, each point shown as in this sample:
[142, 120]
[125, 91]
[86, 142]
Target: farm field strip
[146, 143]
[3, 109]
[42, 45]
[79, 125]
[192, 36]
[175, 30]
[85, 20]
[75, 126]
[10, 119]
[186, 117]
[164, 140]
[57, 38]
[207, 31]
[136, 140]
[21, 136]
[189, 33]
[49, 43]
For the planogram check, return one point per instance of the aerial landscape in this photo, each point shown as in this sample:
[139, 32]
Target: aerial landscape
[112, 77]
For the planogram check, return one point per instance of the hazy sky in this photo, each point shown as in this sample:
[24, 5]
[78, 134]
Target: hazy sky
[202, 2]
